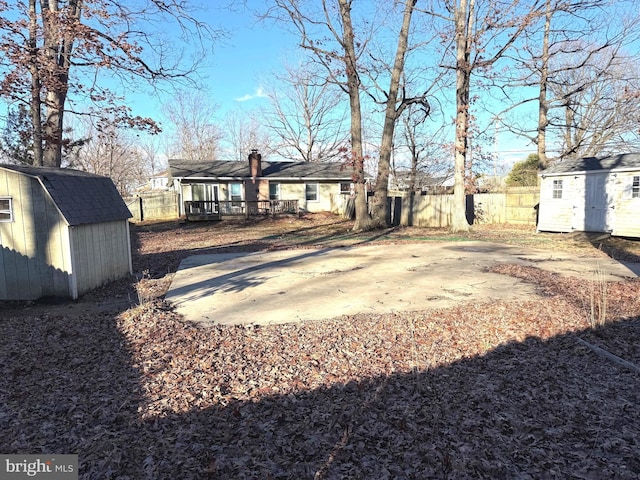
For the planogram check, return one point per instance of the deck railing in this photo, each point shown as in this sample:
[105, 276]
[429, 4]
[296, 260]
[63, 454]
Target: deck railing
[209, 209]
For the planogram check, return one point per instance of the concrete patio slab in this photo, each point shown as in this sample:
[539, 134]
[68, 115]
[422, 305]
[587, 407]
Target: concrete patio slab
[310, 284]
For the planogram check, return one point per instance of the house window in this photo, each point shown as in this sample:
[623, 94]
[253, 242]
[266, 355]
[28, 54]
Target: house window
[6, 210]
[346, 188]
[235, 192]
[557, 189]
[274, 191]
[311, 192]
[635, 187]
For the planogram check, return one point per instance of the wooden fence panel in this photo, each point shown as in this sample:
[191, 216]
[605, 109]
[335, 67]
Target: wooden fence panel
[517, 205]
[432, 210]
[522, 205]
[156, 206]
[489, 208]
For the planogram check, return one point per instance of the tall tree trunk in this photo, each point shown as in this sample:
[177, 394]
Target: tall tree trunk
[543, 106]
[464, 27]
[363, 220]
[380, 203]
[58, 47]
[53, 127]
[35, 107]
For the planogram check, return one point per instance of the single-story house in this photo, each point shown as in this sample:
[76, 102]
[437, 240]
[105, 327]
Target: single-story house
[594, 194]
[236, 186]
[62, 233]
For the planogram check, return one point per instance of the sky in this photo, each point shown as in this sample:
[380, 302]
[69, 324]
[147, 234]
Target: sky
[241, 64]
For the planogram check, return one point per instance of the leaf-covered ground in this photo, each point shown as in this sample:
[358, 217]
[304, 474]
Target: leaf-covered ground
[477, 391]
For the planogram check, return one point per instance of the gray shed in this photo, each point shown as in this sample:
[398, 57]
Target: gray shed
[594, 194]
[62, 233]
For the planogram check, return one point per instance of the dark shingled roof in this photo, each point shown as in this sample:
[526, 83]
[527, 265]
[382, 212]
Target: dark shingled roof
[591, 164]
[81, 197]
[279, 170]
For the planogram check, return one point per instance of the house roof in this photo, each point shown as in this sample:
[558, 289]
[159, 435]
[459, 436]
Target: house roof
[81, 197]
[223, 169]
[591, 164]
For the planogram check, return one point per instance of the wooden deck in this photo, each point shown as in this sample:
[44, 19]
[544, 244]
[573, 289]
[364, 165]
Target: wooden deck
[197, 210]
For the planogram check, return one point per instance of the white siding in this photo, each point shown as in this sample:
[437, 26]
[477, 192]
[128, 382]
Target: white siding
[593, 201]
[560, 214]
[626, 221]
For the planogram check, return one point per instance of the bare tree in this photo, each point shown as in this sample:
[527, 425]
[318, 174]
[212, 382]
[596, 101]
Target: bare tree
[334, 42]
[16, 141]
[305, 115]
[483, 31]
[328, 33]
[195, 133]
[595, 114]
[576, 36]
[110, 152]
[244, 131]
[55, 50]
[421, 151]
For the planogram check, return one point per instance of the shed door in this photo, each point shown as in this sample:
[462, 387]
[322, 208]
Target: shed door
[597, 216]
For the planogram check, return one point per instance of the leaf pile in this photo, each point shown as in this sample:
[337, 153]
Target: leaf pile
[500, 390]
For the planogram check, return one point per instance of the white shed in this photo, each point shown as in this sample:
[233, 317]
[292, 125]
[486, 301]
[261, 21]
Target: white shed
[62, 233]
[594, 194]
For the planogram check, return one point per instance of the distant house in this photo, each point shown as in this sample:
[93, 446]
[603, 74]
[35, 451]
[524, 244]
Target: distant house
[423, 182]
[62, 233]
[245, 187]
[159, 181]
[594, 194]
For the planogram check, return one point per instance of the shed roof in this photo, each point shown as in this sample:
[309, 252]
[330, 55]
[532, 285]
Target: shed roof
[81, 197]
[280, 170]
[592, 164]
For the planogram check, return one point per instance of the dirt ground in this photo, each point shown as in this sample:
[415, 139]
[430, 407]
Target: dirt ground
[501, 390]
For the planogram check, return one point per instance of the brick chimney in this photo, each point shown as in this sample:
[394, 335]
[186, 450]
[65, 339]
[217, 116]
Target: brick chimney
[255, 164]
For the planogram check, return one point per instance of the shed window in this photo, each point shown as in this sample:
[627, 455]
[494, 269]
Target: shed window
[6, 209]
[557, 189]
[635, 187]
[311, 192]
[274, 191]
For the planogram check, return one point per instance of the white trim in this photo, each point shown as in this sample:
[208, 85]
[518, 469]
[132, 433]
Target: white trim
[280, 179]
[129, 249]
[9, 211]
[73, 280]
[545, 174]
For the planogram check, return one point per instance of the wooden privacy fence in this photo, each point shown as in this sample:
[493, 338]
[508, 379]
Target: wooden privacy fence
[516, 205]
[154, 206]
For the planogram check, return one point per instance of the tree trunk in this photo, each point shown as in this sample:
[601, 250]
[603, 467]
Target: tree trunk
[53, 126]
[58, 47]
[463, 23]
[363, 220]
[380, 203]
[543, 107]
[35, 106]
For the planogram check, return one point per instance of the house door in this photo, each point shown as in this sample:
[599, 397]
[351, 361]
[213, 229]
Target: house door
[597, 215]
[207, 193]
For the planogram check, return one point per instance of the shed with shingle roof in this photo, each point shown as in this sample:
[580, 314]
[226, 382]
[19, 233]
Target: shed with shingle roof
[62, 232]
[593, 194]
